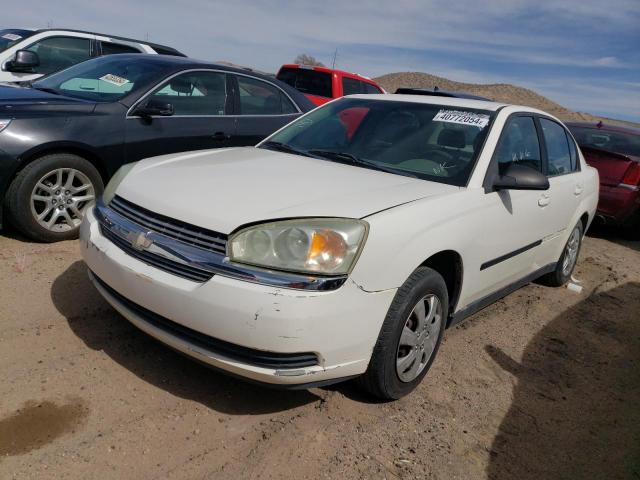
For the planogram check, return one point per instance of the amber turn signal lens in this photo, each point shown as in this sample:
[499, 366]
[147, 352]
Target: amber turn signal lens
[327, 249]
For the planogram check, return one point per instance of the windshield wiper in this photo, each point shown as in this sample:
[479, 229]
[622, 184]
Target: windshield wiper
[353, 160]
[46, 89]
[284, 147]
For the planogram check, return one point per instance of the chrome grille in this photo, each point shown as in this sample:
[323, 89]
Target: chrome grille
[169, 227]
[161, 263]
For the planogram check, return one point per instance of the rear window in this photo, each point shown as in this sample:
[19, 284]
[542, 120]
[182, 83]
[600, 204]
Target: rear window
[618, 142]
[307, 81]
[109, 48]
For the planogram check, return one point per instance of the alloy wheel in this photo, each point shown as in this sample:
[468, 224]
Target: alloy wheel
[60, 199]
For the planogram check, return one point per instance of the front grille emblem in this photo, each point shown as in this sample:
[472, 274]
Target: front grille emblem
[139, 240]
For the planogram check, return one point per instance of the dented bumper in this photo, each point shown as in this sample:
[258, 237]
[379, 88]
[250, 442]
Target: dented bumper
[209, 320]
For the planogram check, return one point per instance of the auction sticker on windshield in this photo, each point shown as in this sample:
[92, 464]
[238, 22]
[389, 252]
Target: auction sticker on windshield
[11, 36]
[462, 118]
[114, 79]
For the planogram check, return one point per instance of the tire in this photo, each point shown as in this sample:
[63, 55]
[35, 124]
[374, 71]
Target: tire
[383, 378]
[561, 275]
[33, 192]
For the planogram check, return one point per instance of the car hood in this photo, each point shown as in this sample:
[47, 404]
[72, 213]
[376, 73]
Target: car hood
[15, 99]
[227, 188]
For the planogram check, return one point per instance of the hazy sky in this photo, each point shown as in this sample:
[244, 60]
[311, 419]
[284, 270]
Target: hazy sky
[584, 54]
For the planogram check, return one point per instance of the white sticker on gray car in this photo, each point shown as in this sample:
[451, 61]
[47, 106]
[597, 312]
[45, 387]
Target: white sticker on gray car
[11, 36]
[114, 79]
[462, 118]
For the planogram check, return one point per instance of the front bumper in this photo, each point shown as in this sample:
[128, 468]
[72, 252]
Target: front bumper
[340, 327]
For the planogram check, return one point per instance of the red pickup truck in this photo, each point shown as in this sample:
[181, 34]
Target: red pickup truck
[321, 84]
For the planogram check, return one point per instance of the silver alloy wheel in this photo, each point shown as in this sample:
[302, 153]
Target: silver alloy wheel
[419, 338]
[60, 198]
[571, 252]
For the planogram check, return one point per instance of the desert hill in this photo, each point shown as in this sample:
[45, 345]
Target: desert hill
[499, 92]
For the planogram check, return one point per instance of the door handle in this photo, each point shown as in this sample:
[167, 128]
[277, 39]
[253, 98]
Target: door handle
[544, 200]
[578, 190]
[220, 136]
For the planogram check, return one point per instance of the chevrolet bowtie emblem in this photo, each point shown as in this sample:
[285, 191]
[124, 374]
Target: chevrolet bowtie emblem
[139, 240]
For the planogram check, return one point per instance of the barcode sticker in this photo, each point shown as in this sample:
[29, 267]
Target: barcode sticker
[462, 118]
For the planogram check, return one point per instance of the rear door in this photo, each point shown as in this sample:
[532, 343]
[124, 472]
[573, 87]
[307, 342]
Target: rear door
[261, 109]
[566, 187]
[202, 101]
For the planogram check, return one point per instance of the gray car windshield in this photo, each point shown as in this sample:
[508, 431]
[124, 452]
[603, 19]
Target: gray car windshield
[432, 142]
[104, 79]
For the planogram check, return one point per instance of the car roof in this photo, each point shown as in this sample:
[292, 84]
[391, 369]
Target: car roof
[437, 93]
[604, 126]
[433, 100]
[185, 63]
[156, 46]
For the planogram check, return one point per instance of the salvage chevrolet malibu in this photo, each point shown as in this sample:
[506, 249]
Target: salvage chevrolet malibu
[347, 242]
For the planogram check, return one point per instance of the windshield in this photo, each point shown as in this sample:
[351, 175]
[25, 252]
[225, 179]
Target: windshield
[307, 81]
[617, 142]
[9, 37]
[432, 142]
[104, 79]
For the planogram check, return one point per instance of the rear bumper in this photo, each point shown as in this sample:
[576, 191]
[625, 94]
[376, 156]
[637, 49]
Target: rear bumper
[207, 321]
[618, 204]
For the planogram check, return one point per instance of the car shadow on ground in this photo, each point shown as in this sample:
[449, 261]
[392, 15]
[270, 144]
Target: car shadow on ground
[624, 237]
[576, 407]
[101, 328]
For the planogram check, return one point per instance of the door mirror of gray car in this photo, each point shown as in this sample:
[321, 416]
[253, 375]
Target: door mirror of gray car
[520, 177]
[24, 61]
[155, 108]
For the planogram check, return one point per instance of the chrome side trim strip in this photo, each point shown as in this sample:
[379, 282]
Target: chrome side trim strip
[172, 250]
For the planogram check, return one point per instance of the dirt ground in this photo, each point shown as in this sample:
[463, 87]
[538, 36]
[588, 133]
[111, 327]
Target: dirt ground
[544, 384]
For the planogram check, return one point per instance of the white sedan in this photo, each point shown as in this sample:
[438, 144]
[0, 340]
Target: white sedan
[347, 242]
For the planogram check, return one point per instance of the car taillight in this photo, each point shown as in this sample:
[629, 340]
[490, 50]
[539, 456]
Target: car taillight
[632, 175]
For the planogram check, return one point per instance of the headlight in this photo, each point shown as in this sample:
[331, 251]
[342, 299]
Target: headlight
[326, 246]
[4, 123]
[116, 180]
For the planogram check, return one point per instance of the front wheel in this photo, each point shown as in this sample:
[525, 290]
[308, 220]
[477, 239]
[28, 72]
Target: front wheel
[567, 262]
[48, 198]
[410, 336]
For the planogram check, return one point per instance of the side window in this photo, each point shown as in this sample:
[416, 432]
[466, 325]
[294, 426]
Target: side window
[519, 144]
[573, 150]
[558, 152]
[368, 88]
[195, 93]
[350, 86]
[57, 53]
[109, 48]
[262, 98]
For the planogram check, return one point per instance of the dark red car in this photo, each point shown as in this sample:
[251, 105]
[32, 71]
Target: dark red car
[321, 84]
[615, 152]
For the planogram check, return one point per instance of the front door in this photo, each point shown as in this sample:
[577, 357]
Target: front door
[512, 220]
[201, 104]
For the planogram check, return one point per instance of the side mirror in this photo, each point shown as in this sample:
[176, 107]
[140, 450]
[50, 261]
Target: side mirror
[23, 61]
[155, 108]
[520, 177]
